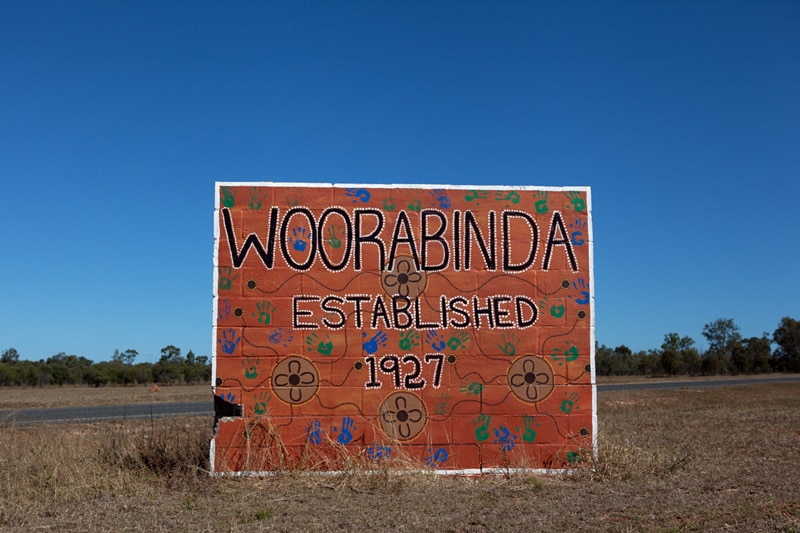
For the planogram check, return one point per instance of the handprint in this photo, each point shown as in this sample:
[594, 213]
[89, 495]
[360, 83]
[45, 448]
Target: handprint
[569, 403]
[324, 347]
[250, 365]
[482, 431]
[281, 336]
[358, 194]
[511, 196]
[415, 205]
[388, 204]
[261, 401]
[578, 203]
[436, 457]
[346, 434]
[224, 309]
[256, 196]
[436, 341]
[473, 389]
[409, 339]
[556, 310]
[570, 354]
[315, 432]
[529, 435]
[229, 341]
[379, 339]
[264, 310]
[540, 204]
[458, 340]
[228, 200]
[333, 239]
[583, 286]
[506, 440]
[377, 451]
[226, 278]
[472, 196]
[576, 231]
[441, 198]
[509, 345]
[298, 239]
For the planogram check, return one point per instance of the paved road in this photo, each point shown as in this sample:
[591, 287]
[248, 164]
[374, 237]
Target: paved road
[24, 417]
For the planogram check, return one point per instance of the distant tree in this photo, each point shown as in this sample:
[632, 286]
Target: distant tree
[722, 336]
[787, 337]
[170, 353]
[9, 356]
[752, 355]
[127, 357]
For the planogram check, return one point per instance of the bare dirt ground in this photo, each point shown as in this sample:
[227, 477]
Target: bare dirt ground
[719, 459]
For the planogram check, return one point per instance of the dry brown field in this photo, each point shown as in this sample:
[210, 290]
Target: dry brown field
[717, 459]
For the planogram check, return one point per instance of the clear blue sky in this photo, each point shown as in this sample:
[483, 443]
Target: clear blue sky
[118, 117]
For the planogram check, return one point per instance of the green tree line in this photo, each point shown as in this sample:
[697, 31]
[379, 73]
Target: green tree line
[727, 353]
[121, 369]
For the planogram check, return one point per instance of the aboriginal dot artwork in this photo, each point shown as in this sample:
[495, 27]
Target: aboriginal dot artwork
[447, 327]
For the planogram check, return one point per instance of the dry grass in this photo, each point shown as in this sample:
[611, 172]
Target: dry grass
[721, 459]
[74, 396]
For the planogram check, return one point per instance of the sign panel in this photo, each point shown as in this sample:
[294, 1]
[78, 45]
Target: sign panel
[445, 327]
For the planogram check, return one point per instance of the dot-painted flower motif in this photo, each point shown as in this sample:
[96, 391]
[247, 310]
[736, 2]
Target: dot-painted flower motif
[403, 416]
[295, 380]
[404, 280]
[531, 378]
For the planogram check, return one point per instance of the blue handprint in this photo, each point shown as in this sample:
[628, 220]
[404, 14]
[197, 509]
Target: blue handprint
[583, 286]
[315, 432]
[440, 195]
[506, 440]
[576, 232]
[436, 341]
[436, 457]
[298, 239]
[280, 337]
[358, 194]
[229, 341]
[229, 397]
[346, 435]
[224, 309]
[377, 451]
[371, 346]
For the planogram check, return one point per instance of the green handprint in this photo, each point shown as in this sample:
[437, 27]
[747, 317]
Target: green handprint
[473, 389]
[509, 345]
[578, 203]
[264, 312]
[459, 339]
[409, 339]
[482, 431]
[568, 404]
[556, 310]
[529, 435]
[570, 354]
[541, 204]
[388, 204]
[226, 278]
[250, 365]
[255, 198]
[415, 205]
[324, 347]
[333, 239]
[261, 401]
[228, 200]
[511, 196]
[475, 195]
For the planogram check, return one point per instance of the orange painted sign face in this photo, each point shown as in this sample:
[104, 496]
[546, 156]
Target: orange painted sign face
[451, 327]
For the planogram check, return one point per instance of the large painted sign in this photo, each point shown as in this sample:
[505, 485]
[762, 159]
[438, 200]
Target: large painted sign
[447, 327]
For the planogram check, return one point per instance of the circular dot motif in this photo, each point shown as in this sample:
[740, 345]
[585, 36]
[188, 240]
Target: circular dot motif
[295, 380]
[404, 281]
[531, 378]
[403, 416]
